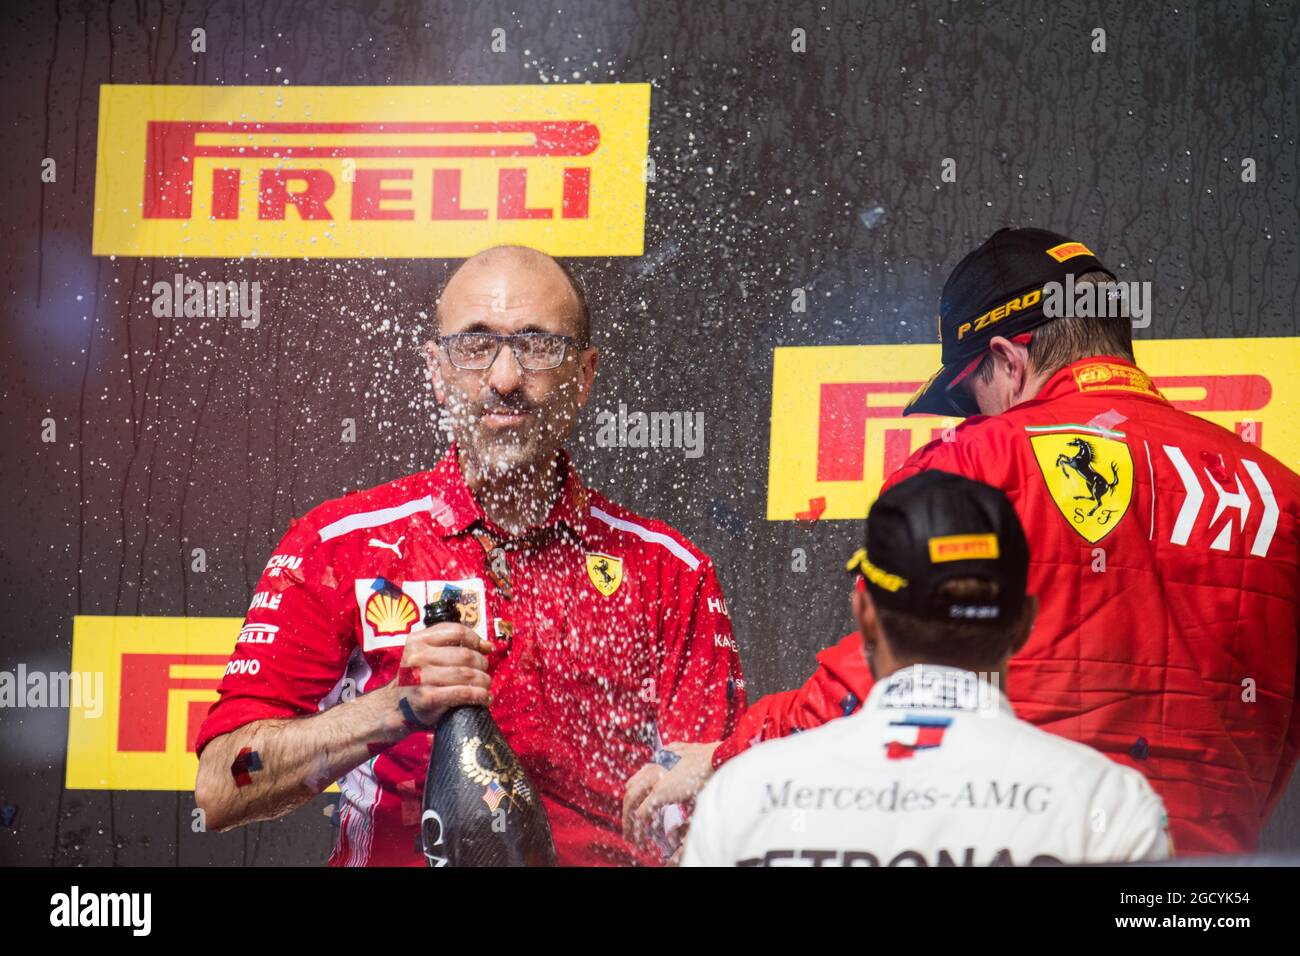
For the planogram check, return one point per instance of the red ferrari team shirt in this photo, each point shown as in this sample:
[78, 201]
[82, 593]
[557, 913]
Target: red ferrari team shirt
[615, 634]
[1165, 554]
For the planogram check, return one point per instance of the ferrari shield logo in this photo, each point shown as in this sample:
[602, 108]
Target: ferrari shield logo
[1090, 477]
[606, 572]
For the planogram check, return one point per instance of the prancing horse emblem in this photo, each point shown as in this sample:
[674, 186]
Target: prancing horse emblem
[605, 571]
[1081, 464]
[1067, 459]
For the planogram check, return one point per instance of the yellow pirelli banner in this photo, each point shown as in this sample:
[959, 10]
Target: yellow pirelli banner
[838, 427]
[371, 172]
[160, 678]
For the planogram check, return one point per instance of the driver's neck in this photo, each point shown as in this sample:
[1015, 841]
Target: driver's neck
[1033, 384]
[513, 500]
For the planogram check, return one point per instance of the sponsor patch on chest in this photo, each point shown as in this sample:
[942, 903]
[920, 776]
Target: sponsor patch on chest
[391, 610]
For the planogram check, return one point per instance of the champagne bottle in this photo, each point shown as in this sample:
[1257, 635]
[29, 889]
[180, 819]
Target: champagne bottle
[480, 808]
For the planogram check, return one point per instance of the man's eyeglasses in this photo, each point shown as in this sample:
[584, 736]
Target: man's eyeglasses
[476, 351]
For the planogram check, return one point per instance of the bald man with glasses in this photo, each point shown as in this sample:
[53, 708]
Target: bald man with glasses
[595, 636]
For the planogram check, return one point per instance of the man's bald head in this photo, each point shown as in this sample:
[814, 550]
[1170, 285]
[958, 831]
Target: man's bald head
[503, 271]
[508, 419]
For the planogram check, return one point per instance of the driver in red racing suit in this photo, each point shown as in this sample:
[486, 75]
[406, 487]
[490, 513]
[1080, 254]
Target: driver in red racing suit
[1163, 551]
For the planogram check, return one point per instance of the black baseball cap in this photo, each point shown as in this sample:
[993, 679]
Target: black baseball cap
[996, 290]
[935, 526]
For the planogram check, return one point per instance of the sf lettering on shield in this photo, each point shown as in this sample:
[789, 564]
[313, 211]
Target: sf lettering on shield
[1102, 516]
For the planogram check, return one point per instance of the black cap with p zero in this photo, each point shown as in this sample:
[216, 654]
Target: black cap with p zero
[996, 290]
[936, 526]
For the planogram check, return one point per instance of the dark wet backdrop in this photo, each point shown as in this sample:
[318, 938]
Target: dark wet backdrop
[773, 170]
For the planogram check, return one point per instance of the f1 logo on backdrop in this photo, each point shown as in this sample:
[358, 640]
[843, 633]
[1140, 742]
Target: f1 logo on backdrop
[355, 172]
[838, 428]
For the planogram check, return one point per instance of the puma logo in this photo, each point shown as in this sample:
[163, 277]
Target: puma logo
[395, 547]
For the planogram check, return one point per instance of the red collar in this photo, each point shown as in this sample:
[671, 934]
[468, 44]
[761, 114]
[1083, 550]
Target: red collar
[455, 508]
[1099, 373]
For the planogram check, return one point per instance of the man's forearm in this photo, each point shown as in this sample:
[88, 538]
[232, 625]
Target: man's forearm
[265, 769]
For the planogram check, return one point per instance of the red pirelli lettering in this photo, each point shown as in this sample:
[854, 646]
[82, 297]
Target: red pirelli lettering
[842, 428]
[171, 148]
[369, 194]
[146, 687]
[274, 195]
[844, 416]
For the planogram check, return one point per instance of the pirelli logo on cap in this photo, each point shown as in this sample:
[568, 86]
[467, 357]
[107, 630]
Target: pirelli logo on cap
[371, 172]
[1068, 250]
[1018, 304]
[963, 547]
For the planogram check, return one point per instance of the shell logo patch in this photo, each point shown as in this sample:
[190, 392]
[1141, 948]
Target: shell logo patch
[390, 613]
[606, 572]
[391, 610]
[1088, 473]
